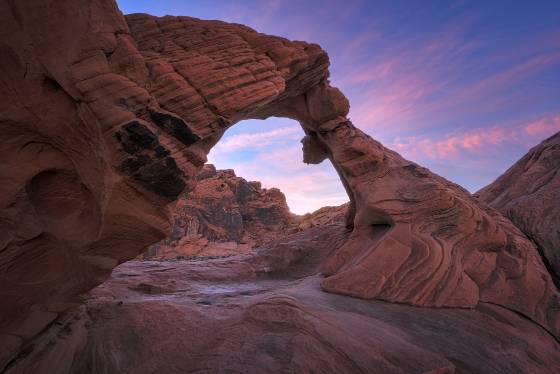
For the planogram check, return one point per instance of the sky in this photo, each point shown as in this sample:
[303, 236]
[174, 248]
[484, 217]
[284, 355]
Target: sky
[464, 88]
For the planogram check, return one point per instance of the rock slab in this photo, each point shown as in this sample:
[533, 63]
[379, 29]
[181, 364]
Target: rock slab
[264, 313]
[528, 193]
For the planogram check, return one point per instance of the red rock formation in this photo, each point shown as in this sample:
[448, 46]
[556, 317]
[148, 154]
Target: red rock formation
[323, 216]
[224, 215]
[528, 193]
[100, 131]
[418, 238]
[105, 120]
[265, 313]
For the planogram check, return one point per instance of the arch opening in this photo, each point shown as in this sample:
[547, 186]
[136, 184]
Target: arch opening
[271, 151]
[265, 178]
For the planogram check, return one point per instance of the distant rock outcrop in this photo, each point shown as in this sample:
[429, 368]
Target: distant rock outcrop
[528, 193]
[326, 215]
[226, 215]
[223, 215]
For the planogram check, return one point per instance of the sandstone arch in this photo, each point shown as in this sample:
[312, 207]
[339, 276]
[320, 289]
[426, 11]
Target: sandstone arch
[128, 107]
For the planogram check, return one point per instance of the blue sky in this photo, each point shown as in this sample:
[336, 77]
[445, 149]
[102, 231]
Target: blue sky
[462, 87]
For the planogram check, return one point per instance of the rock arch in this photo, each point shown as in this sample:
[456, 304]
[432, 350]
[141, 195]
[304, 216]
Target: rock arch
[132, 106]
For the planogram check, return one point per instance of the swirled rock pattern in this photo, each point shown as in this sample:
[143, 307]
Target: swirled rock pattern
[528, 194]
[105, 120]
[418, 238]
[264, 312]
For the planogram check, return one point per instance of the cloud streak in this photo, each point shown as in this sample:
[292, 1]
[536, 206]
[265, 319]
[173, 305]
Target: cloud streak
[543, 127]
[461, 145]
[245, 141]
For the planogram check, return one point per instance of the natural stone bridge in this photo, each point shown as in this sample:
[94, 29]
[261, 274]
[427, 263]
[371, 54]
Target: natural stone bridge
[105, 120]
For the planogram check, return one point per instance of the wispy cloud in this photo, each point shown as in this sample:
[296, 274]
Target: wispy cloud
[479, 141]
[239, 142]
[451, 146]
[543, 127]
[447, 77]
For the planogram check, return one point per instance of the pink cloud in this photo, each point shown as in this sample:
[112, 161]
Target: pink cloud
[381, 106]
[476, 141]
[543, 126]
[290, 157]
[508, 77]
[406, 96]
[258, 140]
[367, 74]
[411, 83]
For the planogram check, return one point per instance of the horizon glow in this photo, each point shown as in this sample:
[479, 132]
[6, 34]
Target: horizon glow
[464, 88]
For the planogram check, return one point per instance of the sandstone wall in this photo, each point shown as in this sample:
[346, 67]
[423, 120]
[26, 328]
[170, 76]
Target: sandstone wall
[528, 193]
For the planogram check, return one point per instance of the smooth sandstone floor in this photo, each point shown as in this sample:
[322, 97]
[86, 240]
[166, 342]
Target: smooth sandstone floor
[266, 313]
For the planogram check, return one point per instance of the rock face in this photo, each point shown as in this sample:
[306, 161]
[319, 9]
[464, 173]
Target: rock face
[528, 194]
[224, 215]
[105, 120]
[323, 216]
[264, 313]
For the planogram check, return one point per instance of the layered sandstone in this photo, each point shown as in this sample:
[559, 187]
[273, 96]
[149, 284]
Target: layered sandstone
[106, 120]
[264, 313]
[528, 193]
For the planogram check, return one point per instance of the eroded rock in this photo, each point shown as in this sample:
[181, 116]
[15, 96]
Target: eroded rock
[104, 121]
[264, 312]
[224, 215]
[418, 238]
